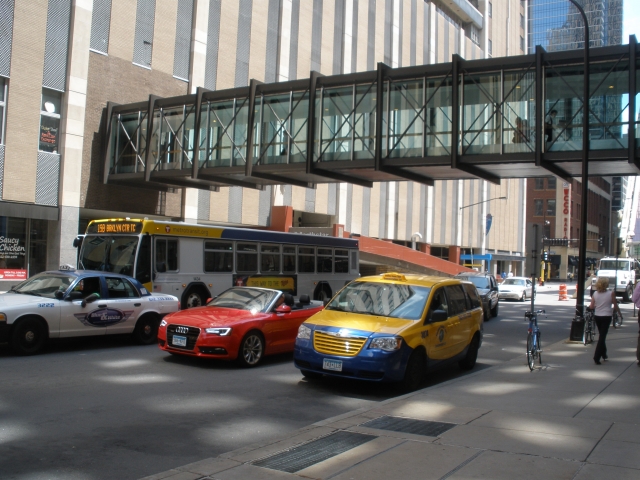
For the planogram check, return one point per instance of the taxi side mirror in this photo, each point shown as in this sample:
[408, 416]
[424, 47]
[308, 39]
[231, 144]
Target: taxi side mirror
[91, 298]
[208, 301]
[59, 294]
[74, 296]
[283, 309]
[438, 316]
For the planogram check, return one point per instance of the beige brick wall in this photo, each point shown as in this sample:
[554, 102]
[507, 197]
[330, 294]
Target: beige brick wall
[250, 203]
[305, 26]
[379, 49]
[122, 29]
[405, 34]
[402, 210]
[361, 39]
[297, 197]
[23, 102]
[328, 15]
[219, 205]
[227, 44]
[374, 209]
[164, 36]
[322, 198]
[258, 49]
[356, 209]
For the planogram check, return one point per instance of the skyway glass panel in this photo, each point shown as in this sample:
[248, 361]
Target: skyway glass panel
[636, 114]
[406, 119]
[563, 108]
[438, 94]
[609, 105]
[175, 136]
[518, 112]
[225, 142]
[129, 142]
[281, 127]
[346, 117]
[481, 123]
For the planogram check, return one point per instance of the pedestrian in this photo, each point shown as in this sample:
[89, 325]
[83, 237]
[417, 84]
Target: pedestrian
[636, 302]
[510, 274]
[504, 275]
[604, 303]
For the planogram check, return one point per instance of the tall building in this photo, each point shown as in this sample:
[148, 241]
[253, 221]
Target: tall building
[61, 61]
[557, 25]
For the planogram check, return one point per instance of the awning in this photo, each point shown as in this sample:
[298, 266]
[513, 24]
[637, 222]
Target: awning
[573, 261]
[466, 256]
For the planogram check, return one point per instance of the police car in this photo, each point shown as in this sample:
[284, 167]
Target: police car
[73, 303]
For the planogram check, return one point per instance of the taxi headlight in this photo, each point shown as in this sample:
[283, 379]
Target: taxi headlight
[222, 331]
[163, 323]
[304, 332]
[388, 344]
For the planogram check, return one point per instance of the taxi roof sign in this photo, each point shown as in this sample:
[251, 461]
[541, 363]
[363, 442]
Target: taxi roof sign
[394, 276]
[66, 267]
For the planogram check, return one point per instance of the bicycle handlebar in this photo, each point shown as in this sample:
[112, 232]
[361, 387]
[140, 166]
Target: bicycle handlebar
[528, 314]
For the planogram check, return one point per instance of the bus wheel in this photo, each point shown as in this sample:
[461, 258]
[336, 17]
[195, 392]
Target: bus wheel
[193, 298]
[323, 294]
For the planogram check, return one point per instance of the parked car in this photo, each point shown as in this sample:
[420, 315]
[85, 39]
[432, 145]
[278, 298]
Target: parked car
[243, 323]
[488, 290]
[516, 288]
[392, 328]
[73, 303]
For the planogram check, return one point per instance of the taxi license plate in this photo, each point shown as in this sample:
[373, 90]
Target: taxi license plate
[335, 365]
[179, 341]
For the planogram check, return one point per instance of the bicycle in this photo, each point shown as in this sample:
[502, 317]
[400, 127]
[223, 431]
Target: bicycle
[534, 344]
[589, 334]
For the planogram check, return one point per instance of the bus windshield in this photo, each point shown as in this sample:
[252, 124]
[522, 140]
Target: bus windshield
[109, 253]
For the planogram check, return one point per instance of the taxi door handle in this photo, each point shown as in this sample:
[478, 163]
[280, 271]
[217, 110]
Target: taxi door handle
[102, 306]
[137, 304]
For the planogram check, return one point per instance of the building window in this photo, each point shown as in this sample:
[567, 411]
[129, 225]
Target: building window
[143, 40]
[490, 47]
[537, 208]
[539, 185]
[100, 25]
[490, 9]
[551, 183]
[522, 43]
[551, 208]
[49, 121]
[3, 96]
[521, 21]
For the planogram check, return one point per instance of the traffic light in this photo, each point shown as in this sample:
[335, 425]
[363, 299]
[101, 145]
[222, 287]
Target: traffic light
[545, 256]
[600, 241]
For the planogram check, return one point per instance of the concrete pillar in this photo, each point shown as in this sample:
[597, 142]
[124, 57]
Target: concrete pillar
[281, 218]
[454, 254]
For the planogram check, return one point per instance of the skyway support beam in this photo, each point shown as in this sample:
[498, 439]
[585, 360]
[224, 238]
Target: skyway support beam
[557, 171]
[478, 172]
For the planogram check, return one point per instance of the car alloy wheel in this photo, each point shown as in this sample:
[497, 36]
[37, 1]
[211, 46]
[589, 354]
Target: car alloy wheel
[251, 349]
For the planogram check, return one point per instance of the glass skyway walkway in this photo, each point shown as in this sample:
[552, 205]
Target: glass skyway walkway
[513, 117]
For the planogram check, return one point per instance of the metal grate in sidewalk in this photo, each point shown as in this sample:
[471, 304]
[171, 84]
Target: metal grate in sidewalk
[409, 425]
[304, 456]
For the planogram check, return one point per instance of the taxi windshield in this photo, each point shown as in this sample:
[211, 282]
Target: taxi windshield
[251, 299]
[384, 299]
[115, 253]
[44, 285]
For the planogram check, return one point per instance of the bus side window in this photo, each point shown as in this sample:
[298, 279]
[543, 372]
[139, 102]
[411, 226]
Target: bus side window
[166, 255]
[324, 260]
[288, 259]
[143, 266]
[341, 261]
[306, 259]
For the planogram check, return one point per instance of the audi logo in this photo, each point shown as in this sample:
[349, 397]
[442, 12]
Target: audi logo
[182, 329]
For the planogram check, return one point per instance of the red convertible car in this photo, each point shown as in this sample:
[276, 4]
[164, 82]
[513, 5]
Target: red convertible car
[243, 323]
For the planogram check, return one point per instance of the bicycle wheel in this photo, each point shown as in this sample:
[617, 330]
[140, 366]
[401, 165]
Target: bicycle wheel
[530, 351]
[539, 348]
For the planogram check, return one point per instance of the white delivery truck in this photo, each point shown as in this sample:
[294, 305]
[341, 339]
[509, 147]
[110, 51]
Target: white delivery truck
[621, 273]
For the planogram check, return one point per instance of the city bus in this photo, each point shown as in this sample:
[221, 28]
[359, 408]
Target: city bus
[197, 262]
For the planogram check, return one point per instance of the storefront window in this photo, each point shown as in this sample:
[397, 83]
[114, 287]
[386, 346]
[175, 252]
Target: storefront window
[3, 96]
[49, 121]
[13, 248]
[38, 247]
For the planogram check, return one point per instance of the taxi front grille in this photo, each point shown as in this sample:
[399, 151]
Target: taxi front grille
[332, 345]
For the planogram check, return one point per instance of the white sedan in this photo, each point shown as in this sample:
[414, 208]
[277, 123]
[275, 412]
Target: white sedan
[69, 303]
[516, 288]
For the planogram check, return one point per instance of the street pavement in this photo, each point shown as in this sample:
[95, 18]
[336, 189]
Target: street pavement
[567, 419]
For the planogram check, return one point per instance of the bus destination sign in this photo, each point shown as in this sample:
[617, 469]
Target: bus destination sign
[115, 227]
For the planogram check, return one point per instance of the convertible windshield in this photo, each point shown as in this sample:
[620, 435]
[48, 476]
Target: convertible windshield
[479, 282]
[109, 253]
[384, 299]
[252, 299]
[513, 281]
[44, 285]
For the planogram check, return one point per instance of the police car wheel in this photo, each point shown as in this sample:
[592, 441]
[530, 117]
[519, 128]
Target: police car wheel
[146, 331]
[28, 336]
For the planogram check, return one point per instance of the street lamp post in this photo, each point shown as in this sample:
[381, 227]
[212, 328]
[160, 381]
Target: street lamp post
[470, 232]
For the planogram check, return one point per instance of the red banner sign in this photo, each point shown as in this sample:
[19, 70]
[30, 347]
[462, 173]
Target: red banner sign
[13, 274]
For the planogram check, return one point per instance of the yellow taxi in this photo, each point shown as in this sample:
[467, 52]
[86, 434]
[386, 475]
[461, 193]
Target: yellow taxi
[392, 328]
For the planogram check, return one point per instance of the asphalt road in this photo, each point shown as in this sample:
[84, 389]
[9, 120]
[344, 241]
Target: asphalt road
[104, 408]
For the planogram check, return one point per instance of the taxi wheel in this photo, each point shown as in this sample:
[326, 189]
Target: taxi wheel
[146, 331]
[28, 336]
[415, 372]
[470, 359]
[251, 349]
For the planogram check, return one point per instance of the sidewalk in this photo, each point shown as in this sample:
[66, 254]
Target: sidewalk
[568, 419]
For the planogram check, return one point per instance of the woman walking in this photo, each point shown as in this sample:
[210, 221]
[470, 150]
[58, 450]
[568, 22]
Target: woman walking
[603, 302]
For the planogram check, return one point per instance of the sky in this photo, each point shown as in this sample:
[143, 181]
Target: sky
[631, 12]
